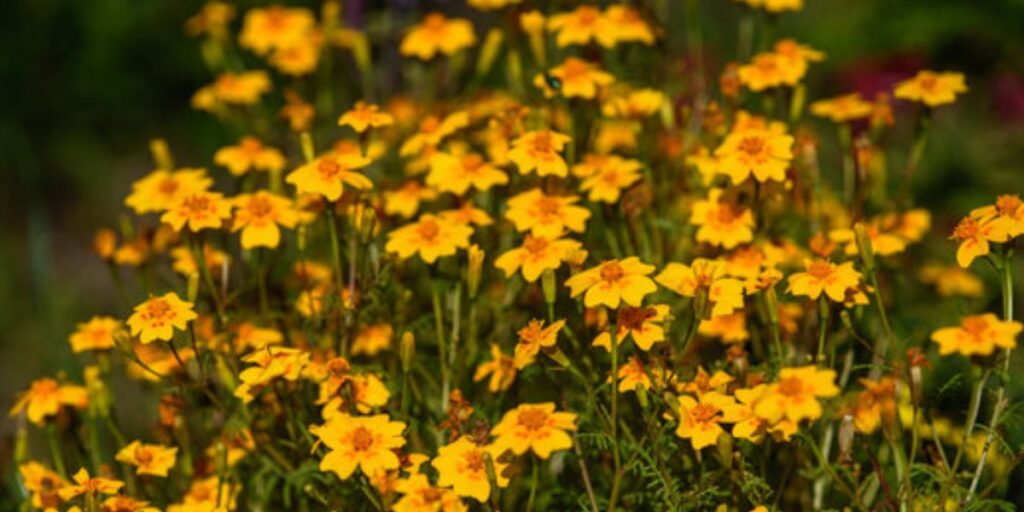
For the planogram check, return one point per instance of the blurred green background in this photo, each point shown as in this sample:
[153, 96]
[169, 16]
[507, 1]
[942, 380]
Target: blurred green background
[85, 85]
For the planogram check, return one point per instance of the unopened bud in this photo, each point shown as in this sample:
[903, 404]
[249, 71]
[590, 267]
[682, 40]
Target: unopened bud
[300, 238]
[104, 243]
[547, 281]
[476, 260]
[724, 447]
[846, 434]
[407, 350]
[916, 380]
[193, 286]
[161, 154]
[307, 146]
[533, 24]
[489, 51]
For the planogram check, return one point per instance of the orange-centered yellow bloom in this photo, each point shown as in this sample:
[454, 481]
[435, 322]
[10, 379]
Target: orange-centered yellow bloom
[328, 175]
[546, 215]
[364, 116]
[431, 237]
[249, 154]
[537, 254]
[158, 317]
[373, 339]
[198, 211]
[977, 335]
[43, 483]
[463, 467]
[533, 338]
[575, 78]
[775, 6]
[642, 324]
[405, 200]
[627, 25]
[490, 5]
[795, 395]
[232, 89]
[148, 459]
[974, 237]
[535, 427]
[610, 178]
[764, 153]
[841, 109]
[580, 26]
[501, 369]
[84, 484]
[418, 495]
[96, 334]
[540, 151]
[275, 27]
[159, 190]
[366, 442]
[824, 276]
[932, 88]
[699, 419]
[722, 223]
[45, 397]
[634, 104]
[258, 216]
[1006, 216]
[705, 278]
[437, 34]
[459, 174]
[612, 282]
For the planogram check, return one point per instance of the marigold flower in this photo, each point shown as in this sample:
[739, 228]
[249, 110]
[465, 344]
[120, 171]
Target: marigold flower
[296, 111]
[457, 174]
[641, 324]
[198, 211]
[537, 254]
[208, 494]
[546, 215]
[232, 89]
[161, 189]
[539, 151]
[213, 19]
[775, 6]
[122, 503]
[580, 26]
[932, 88]
[43, 483]
[533, 338]
[300, 58]
[752, 427]
[183, 260]
[432, 131]
[722, 223]
[610, 178]
[951, 280]
[462, 466]
[467, 215]
[373, 339]
[418, 495]
[704, 276]
[431, 237]
[249, 154]
[699, 419]
[730, 328]
[490, 5]
[841, 109]
[795, 395]
[535, 427]
[437, 34]
[882, 244]
[627, 25]
[1007, 214]
[368, 392]
[501, 369]
[148, 459]
[612, 282]
[824, 276]
[328, 175]
[45, 397]
[974, 238]
[84, 484]
[364, 116]
[258, 216]
[275, 27]
[96, 334]
[634, 104]
[364, 442]
[764, 153]
[634, 375]
[877, 403]
[158, 317]
[271, 363]
[977, 335]
[575, 78]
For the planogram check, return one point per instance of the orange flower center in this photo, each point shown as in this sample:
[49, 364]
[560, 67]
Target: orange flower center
[168, 186]
[475, 461]
[197, 204]
[430, 494]
[791, 386]
[158, 311]
[532, 333]
[259, 207]
[434, 22]
[728, 213]
[533, 419]
[967, 229]
[143, 456]
[928, 81]
[362, 439]
[704, 413]
[428, 229]
[587, 15]
[328, 168]
[548, 205]
[820, 269]
[471, 163]
[975, 326]
[542, 143]
[633, 318]
[1008, 205]
[611, 271]
[753, 145]
[535, 244]
[251, 145]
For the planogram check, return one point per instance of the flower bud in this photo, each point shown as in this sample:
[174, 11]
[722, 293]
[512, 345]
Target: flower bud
[300, 238]
[533, 24]
[549, 286]
[846, 434]
[407, 350]
[307, 146]
[161, 154]
[193, 286]
[476, 261]
[489, 51]
[724, 447]
[104, 243]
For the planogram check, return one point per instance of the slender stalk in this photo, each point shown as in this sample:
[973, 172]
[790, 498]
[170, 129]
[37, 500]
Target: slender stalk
[338, 274]
[204, 270]
[823, 314]
[617, 458]
[435, 296]
[533, 486]
[55, 450]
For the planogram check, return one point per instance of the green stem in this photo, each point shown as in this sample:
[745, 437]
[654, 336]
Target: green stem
[55, 451]
[435, 297]
[617, 458]
[338, 275]
[533, 486]
[204, 270]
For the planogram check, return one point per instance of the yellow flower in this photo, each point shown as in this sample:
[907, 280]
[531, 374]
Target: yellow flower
[634, 375]
[43, 483]
[841, 109]
[96, 334]
[328, 175]
[729, 328]
[582, 25]
[208, 495]
[952, 280]
[722, 223]
[501, 368]
[457, 174]
[158, 317]
[198, 211]
[764, 153]
[258, 216]
[546, 215]
[126, 504]
[533, 338]
[364, 116]
[932, 88]
[462, 466]
[432, 131]
[974, 237]
[419, 496]
[212, 19]
[610, 178]
[627, 25]
[300, 58]
[148, 459]
[296, 111]
[232, 89]
[824, 276]
[272, 362]
[373, 339]
[183, 260]
[45, 397]
[575, 78]
[539, 151]
[536, 255]
[431, 237]
[612, 282]
[535, 427]
[642, 324]
[84, 484]
[249, 154]
[405, 200]
[875, 404]
[366, 442]
[368, 392]
[795, 395]
[704, 277]
[159, 190]
[467, 215]
[490, 5]
[275, 27]
[699, 421]
[775, 6]
[249, 336]
[437, 34]
[634, 104]
[977, 335]
[1007, 215]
